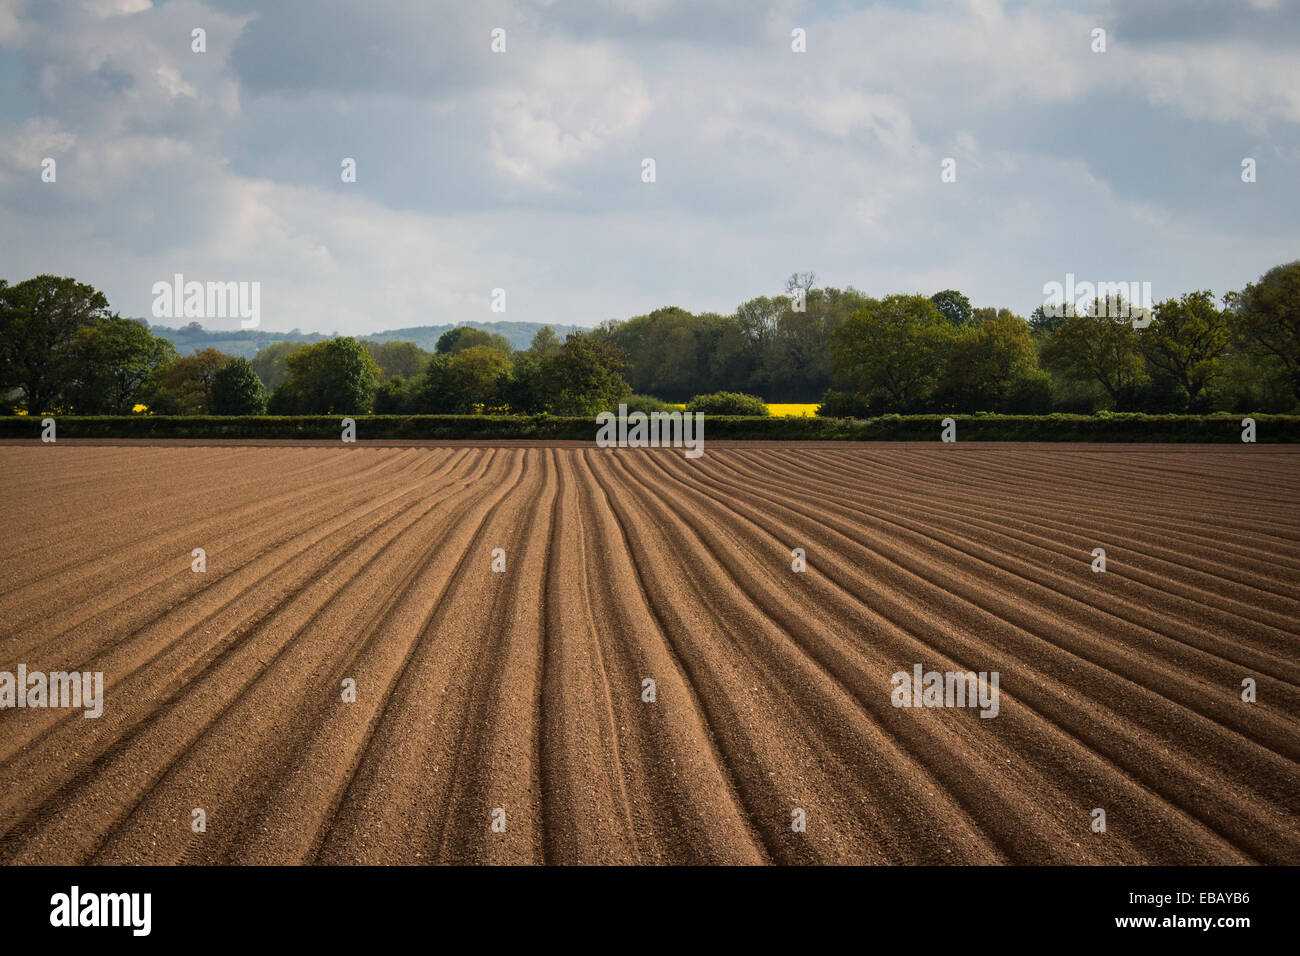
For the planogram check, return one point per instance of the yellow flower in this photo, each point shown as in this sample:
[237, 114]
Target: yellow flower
[799, 411]
[139, 408]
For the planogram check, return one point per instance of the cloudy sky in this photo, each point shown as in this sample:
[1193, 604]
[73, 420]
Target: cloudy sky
[523, 170]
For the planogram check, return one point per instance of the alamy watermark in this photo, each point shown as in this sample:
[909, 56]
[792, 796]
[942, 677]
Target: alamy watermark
[923, 688]
[656, 430]
[37, 689]
[179, 299]
[1122, 301]
[75, 908]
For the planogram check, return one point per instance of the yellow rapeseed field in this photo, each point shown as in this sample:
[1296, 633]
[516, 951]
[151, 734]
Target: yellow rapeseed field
[799, 411]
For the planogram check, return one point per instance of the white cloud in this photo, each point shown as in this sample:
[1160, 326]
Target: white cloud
[115, 8]
[569, 102]
[1226, 83]
[769, 161]
[41, 136]
[169, 78]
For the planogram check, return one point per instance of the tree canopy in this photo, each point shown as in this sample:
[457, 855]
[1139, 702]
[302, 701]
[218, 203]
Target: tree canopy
[894, 349]
[63, 351]
[41, 348]
[236, 389]
[1267, 318]
[336, 377]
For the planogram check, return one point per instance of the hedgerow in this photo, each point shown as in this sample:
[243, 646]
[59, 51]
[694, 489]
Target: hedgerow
[1111, 427]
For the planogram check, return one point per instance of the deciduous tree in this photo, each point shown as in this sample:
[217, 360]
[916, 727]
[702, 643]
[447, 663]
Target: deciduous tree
[1097, 348]
[40, 319]
[1267, 317]
[894, 350]
[236, 389]
[1186, 341]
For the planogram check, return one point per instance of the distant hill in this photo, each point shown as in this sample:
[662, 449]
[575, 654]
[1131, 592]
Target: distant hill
[518, 334]
[248, 342]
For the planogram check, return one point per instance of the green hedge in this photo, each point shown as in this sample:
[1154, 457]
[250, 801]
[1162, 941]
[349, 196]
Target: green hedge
[305, 426]
[1134, 427]
[1111, 427]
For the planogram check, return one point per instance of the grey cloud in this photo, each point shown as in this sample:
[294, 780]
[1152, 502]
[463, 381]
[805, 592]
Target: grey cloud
[1164, 21]
[381, 46]
[523, 169]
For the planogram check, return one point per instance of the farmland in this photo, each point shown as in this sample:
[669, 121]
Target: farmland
[497, 609]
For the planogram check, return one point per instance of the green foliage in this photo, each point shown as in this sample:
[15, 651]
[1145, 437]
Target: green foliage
[766, 347]
[837, 404]
[474, 376]
[337, 377]
[953, 306]
[728, 403]
[665, 349]
[894, 350]
[1033, 393]
[40, 321]
[393, 397]
[426, 394]
[1184, 346]
[463, 337]
[640, 403]
[113, 358]
[1101, 349]
[403, 359]
[1113, 427]
[1267, 318]
[990, 365]
[545, 342]
[583, 377]
[185, 386]
[62, 351]
[1251, 383]
[271, 363]
[523, 392]
[236, 389]
[797, 363]
[1042, 324]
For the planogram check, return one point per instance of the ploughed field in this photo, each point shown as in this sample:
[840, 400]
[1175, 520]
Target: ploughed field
[503, 716]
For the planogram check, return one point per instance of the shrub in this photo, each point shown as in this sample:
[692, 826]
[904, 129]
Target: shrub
[1111, 427]
[842, 405]
[641, 403]
[728, 403]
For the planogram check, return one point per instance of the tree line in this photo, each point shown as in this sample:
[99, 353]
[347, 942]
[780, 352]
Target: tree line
[858, 355]
[63, 351]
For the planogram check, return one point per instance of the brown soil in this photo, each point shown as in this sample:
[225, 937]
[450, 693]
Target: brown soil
[523, 690]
